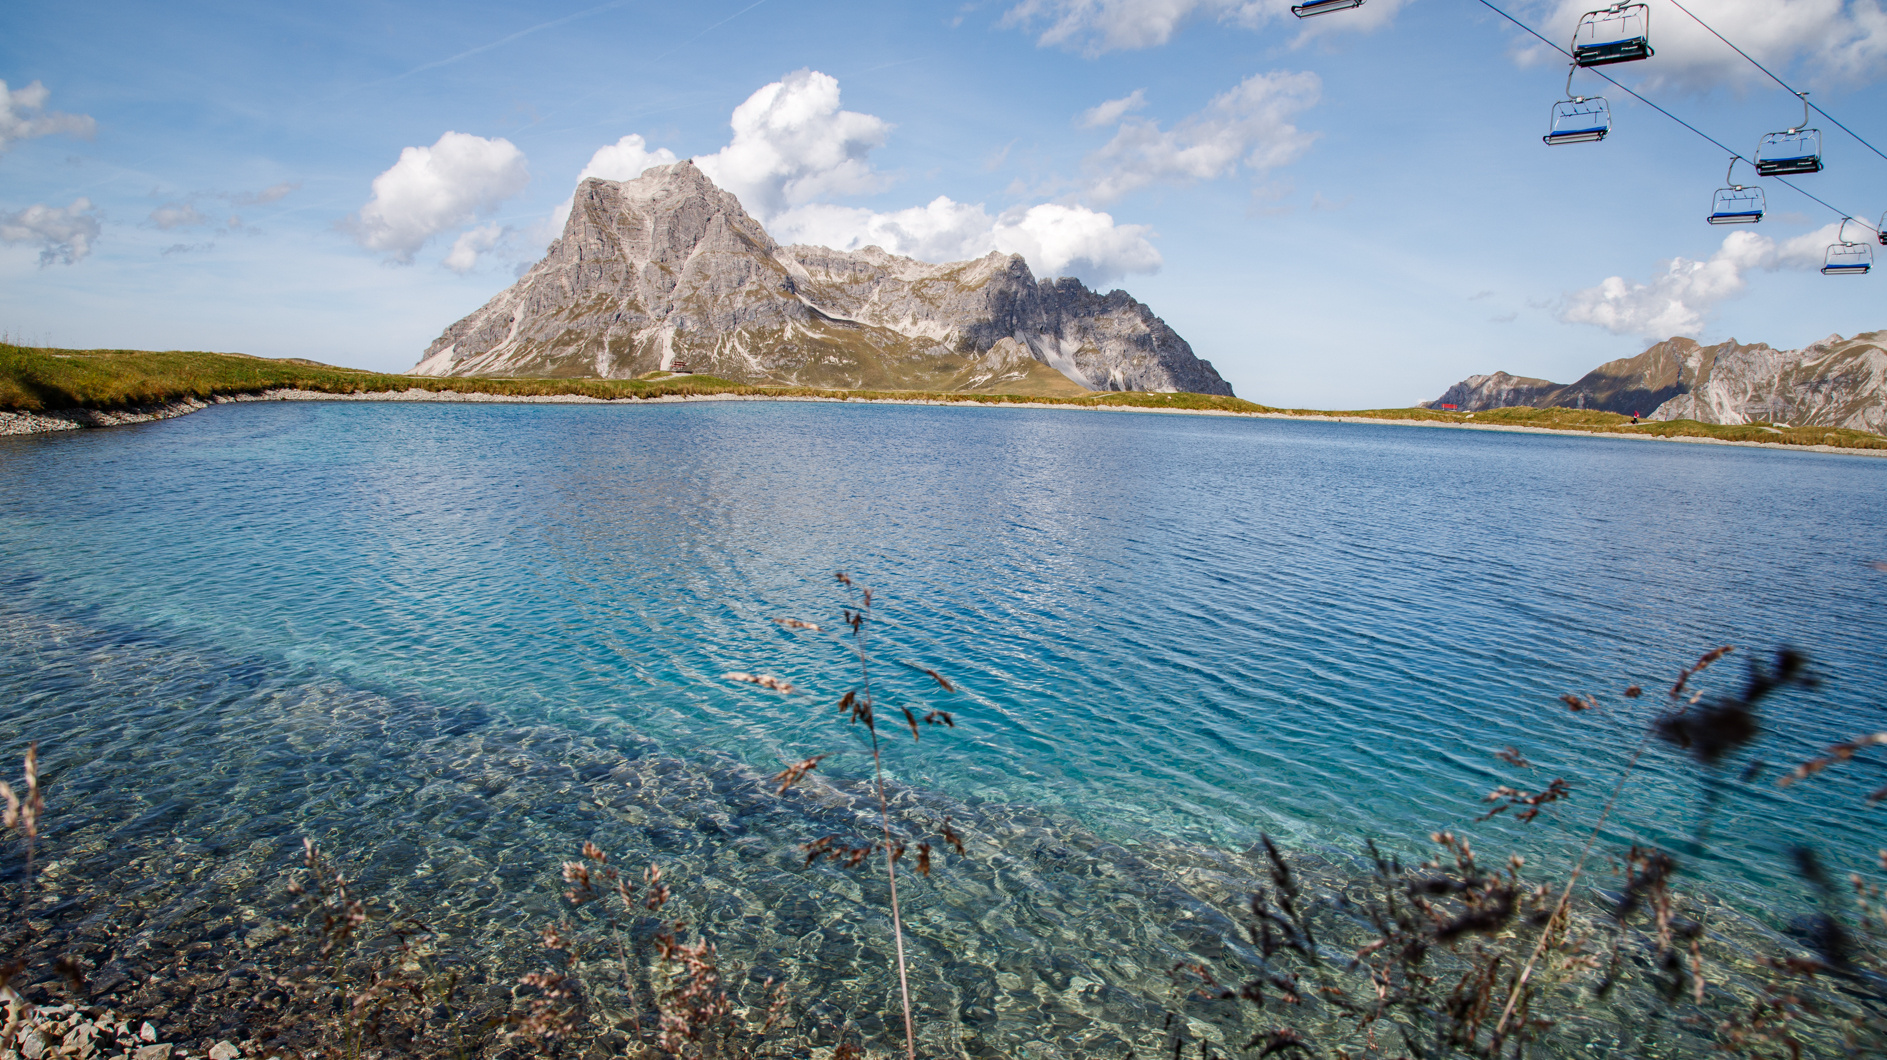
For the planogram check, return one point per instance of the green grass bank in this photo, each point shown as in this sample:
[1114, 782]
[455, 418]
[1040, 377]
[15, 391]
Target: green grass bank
[51, 380]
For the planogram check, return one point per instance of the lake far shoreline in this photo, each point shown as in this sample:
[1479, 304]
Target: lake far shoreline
[16, 423]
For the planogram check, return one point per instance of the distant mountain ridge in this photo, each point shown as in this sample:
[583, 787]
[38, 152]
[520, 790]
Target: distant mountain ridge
[668, 267]
[1836, 382]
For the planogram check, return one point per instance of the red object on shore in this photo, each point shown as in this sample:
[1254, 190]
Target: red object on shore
[1451, 407]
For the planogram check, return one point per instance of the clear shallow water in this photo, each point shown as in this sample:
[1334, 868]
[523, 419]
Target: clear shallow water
[414, 628]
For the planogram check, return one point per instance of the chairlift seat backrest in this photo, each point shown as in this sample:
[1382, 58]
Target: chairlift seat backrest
[1737, 206]
[1782, 154]
[1323, 7]
[1848, 259]
[1618, 34]
[1579, 121]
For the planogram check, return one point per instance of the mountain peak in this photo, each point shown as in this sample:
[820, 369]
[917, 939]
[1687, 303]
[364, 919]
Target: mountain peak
[670, 267]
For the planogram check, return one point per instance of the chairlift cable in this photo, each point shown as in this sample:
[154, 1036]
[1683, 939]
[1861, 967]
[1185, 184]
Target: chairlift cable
[1773, 77]
[1837, 211]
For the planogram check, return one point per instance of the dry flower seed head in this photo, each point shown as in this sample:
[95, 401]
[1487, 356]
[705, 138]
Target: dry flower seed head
[1840, 752]
[791, 774]
[594, 853]
[1513, 757]
[794, 623]
[767, 681]
[1634, 692]
[939, 678]
[1577, 703]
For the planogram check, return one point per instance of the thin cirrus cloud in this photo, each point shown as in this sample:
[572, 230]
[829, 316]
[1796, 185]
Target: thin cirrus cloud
[1678, 300]
[431, 190]
[184, 213]
[23, 116]
[1251, 125]
[1095, 27]
[64, 234]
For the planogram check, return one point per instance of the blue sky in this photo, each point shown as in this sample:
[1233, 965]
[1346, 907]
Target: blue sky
[1352, 211]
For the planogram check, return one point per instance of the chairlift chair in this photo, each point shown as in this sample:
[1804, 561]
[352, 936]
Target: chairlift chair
[1736, 204]
[1792, 151]
[1845, 258]
[1880, 230]
[1323, 7]
[1578, 119]
[1617, 34]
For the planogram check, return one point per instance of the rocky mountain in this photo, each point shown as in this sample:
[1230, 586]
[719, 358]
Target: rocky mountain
[668, 267]
[1836, 382]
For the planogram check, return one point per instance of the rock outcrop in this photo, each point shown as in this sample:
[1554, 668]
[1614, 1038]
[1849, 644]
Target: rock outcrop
[668, 267]
[1836, 382]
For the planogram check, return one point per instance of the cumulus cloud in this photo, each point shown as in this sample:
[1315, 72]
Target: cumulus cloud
[1055, 239]
[942, 230]
[1249, 124]
[63, 234]
[1826, 41]
[23, 116]
[623, 160]
[465, 250]
[433, 189]
[1113, 110]
[1094, 27]
[1676, 301]
[793, 145]
[1076, 241]
[794, 148]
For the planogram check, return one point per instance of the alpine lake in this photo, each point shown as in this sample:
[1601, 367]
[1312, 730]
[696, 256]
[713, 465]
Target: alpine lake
[449, 644]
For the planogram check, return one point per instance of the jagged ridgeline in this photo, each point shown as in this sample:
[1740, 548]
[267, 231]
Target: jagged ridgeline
[668, 267]
[1836, 382]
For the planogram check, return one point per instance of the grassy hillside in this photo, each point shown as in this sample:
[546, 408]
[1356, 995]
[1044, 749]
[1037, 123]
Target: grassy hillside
[41, 380]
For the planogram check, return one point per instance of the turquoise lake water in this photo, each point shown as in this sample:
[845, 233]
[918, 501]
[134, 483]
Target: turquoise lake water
[454, 641]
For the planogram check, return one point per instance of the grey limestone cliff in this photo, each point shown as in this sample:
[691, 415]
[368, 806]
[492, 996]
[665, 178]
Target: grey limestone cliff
[1836, 382]
[669, 267]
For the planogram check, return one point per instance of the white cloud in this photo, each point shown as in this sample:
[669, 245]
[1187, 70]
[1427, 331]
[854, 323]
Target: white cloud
[64, 234]
[1110, 112]
[943, 230]
[1076, 241]
[1823, 41]
[432, 189]
[1094, 27]
[470, 244]
[23, 116]
[793, 145]
[1251, 123]
[1676, 301]
[793, 148]
[623, 160]
[1056, 240]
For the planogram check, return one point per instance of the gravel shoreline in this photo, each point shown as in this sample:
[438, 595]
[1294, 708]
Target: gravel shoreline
[18, 423]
